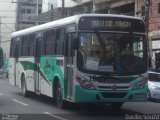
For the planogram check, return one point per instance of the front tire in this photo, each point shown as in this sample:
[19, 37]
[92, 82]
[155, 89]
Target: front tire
[58, 97]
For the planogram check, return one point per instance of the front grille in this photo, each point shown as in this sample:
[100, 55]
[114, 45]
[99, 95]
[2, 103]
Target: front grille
[114, 95]
[117, 87]
[111, 80]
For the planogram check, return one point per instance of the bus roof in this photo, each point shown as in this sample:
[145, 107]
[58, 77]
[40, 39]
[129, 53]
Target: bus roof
[65, 21]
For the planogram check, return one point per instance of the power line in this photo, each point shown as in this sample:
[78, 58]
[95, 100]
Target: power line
[7, 10]
[8, 23]
[6, 1]
[6, 40]
[6, 32]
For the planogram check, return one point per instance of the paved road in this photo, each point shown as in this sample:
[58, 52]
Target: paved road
[14, 106]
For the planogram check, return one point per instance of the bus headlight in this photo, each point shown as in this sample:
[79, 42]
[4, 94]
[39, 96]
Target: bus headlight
[141, 83]
[85, 83]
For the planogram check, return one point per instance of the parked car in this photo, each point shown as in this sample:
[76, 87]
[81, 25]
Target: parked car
[154, 85]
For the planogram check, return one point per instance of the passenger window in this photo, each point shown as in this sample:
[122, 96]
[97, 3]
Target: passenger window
[13, 46]
[18, 47]
[50, 42]
[25, 46]
[38, 44]
[15, 50]
[32, 44]
[61, 36]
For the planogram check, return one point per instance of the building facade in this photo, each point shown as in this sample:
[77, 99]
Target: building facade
[54, 4]
[148, 10]
[7, 24]
[25, 10]
[126, 7]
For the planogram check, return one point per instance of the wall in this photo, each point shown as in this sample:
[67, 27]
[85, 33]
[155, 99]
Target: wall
[154, 16]
[7, 26]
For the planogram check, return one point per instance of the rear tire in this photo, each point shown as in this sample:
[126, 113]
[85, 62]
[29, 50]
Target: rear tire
[25, 93]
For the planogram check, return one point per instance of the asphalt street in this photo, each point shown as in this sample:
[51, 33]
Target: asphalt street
[13, 106]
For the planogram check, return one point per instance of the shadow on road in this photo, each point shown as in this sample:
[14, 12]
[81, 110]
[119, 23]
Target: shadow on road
[83, 108]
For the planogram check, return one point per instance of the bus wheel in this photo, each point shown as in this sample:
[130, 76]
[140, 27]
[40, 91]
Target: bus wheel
[23, 86]
[116, 105]
[58, 96]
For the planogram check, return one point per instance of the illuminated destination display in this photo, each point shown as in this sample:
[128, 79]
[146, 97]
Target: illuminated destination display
[111, 24]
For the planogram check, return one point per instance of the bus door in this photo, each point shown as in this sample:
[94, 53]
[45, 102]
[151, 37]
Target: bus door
[38, 51]
[69, 62]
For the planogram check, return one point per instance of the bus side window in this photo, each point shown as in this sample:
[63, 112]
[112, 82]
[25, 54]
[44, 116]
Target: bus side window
[61, 36]
[18, 47]
[31, 45]
[13, 46]
[38, 44]
[25, 46]
[50, 42]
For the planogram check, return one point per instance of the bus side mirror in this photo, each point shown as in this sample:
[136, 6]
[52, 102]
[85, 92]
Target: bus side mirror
[75, 43]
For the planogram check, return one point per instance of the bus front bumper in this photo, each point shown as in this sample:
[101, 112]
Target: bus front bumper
[84, 95]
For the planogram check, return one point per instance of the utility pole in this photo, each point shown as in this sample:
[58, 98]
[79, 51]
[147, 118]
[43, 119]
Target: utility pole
[0, 29]
[52, 12]
[62, 8]
[147, 6]
[37, 12]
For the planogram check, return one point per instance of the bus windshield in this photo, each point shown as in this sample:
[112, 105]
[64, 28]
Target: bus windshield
[112, 52]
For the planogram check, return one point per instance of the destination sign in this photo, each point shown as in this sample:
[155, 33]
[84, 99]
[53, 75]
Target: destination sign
[111, 24]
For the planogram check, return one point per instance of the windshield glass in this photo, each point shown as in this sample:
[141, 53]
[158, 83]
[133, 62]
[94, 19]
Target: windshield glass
[154, 77]
[113, 53]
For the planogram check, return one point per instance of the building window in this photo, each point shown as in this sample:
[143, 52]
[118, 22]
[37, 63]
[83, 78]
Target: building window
[158, 7]
[30, 0]
[22, 10]
[33, 11]
[39, 11]
[28, 11]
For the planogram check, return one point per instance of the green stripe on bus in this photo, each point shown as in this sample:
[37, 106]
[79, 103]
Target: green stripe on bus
[31, 66]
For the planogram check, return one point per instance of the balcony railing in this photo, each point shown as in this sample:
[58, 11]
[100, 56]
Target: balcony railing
[102, 1]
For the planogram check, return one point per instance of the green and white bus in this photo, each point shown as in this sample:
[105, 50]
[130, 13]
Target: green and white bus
[82, 59]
